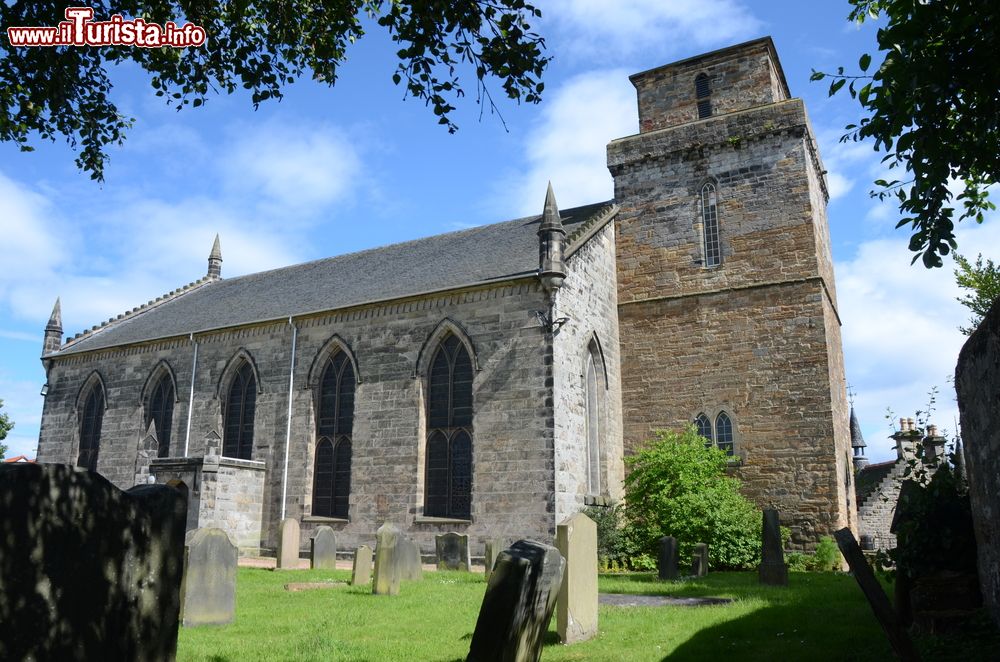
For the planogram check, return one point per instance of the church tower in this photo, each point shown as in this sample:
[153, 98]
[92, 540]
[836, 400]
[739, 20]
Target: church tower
[727, 306]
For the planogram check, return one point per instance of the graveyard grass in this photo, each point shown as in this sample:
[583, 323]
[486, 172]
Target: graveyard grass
[820, 616]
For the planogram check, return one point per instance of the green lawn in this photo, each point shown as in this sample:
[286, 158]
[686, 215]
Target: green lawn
[819, 617]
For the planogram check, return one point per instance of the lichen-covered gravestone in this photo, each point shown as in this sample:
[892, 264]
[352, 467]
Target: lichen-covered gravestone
[772, 569]
[699, 560]
[87, 572]
[576, 613]
[453, 551]
[362, 571]
[518, 605]
[388, 560]
[288, 543]
[323, 549]
[411, 565]
[492, 549]
[667, 562]
[208, 596]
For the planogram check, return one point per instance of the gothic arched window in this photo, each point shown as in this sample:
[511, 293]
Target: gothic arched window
[593, 425]
[704, 427]
[449, 432]
[710, 226]
[334, 427]
[703, 93]
[90, 428]
[160, 412]
[239, 414]
[724, 432]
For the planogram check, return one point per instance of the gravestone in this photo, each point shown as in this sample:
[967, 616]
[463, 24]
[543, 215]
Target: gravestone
[493, 548]
[699, 560]
[667, 565]
[362, 571]
[288, 543]
[208, 594]
[88, 572]
[518, 604]
[772, 570]
[877, 599]
[323, 549]
[453, 551]
[388, 560]
[576, 613]
[411, 565]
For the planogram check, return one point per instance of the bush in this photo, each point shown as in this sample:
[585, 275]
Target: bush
[827, 556]
[678, 487]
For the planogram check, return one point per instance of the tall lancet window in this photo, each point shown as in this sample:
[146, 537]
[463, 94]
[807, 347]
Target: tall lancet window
[90, 428]
[239, 415]
[710, 225]
[593, 424]
[334, 427]
[703, 94]
[449, 432]
[161, 412]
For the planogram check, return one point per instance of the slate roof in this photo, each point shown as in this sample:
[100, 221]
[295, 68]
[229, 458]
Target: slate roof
[484, 254]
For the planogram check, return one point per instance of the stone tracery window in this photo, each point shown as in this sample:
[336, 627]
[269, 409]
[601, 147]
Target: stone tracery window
[724, 432]
[704, 427]
[90, 428]
[239, 414]
[160, 412]
[334, 430]
[710, 226]
[449, 432]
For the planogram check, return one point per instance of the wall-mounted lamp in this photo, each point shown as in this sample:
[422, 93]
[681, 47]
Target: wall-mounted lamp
[45, 389]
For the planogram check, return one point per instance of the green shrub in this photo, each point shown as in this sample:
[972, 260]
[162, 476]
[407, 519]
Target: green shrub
[797, 562]
[678, 487]
[827, 555]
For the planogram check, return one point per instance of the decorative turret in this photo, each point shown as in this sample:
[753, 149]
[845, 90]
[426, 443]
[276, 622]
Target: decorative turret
[215, 260]
[551, 243]
[858, 443]
[53, 331]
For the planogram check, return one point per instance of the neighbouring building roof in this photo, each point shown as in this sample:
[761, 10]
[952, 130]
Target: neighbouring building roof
[484, 254]
[868, 479]
[18, 458]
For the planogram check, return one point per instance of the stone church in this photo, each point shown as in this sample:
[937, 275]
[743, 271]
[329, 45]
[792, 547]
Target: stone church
[491, 380]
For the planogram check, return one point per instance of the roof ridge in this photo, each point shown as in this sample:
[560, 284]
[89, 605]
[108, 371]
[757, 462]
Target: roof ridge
[138, 310]
[602, 216]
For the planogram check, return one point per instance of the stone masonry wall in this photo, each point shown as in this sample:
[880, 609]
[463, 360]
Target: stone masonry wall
[589, 298]
[875, 513]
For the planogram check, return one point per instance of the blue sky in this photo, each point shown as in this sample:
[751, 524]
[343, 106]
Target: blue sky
[328, 171]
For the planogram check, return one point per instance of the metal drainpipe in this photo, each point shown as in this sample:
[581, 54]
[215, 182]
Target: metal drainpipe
[194, 368]
[288, 421]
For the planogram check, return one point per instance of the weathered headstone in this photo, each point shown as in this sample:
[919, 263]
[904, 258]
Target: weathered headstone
[518, 604]
[493, 548]
[699, 560]
[288, 543]
[411, 565]
[388, 560]
[208, 594]
[877, 599]
[362, 571]
[88, 572]
[772, 568]
[667, 562]
[576, 613]
[453, 551]
[323, 549]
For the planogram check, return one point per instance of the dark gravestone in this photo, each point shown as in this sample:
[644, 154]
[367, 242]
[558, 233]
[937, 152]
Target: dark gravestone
[877, 598]
[411, 566]
[667, 562]
[208, 594]
[492, 550]
[323, 549]
[699, 560]
[452, 551]
[87, 572]
[773, 570]
[518, 605]
[388, 560]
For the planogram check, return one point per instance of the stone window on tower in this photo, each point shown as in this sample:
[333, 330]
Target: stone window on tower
[703, 93]
[239, 414]
[334, 427]
[720, 434]
[161, 412]
[449, 432]
[704, 428]
[710, 226]
[90, 428]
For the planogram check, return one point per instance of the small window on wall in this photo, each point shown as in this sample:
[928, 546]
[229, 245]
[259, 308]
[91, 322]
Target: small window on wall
[711, 242]
[718, 433]
[703, 93]
[704, 427]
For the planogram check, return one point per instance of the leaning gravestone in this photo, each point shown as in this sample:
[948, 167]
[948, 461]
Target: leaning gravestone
[699, 560]
[667, 565]
[493, 548]
[323, 549]
[388, 560]
[576, 613]
[411, 565]
[288, 543]
[362, 571]
[208, 594]
[453, 551]
[88, 572]
[772, 569]
[518, 604]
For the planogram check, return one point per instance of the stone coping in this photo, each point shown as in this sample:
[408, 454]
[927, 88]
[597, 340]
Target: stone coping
[318, 519]
[188, 463]
[422, 519]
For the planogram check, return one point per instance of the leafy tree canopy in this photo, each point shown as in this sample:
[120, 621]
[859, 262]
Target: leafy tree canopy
[259, 45]
[931, 105]
[982, 282]
[6, 425]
